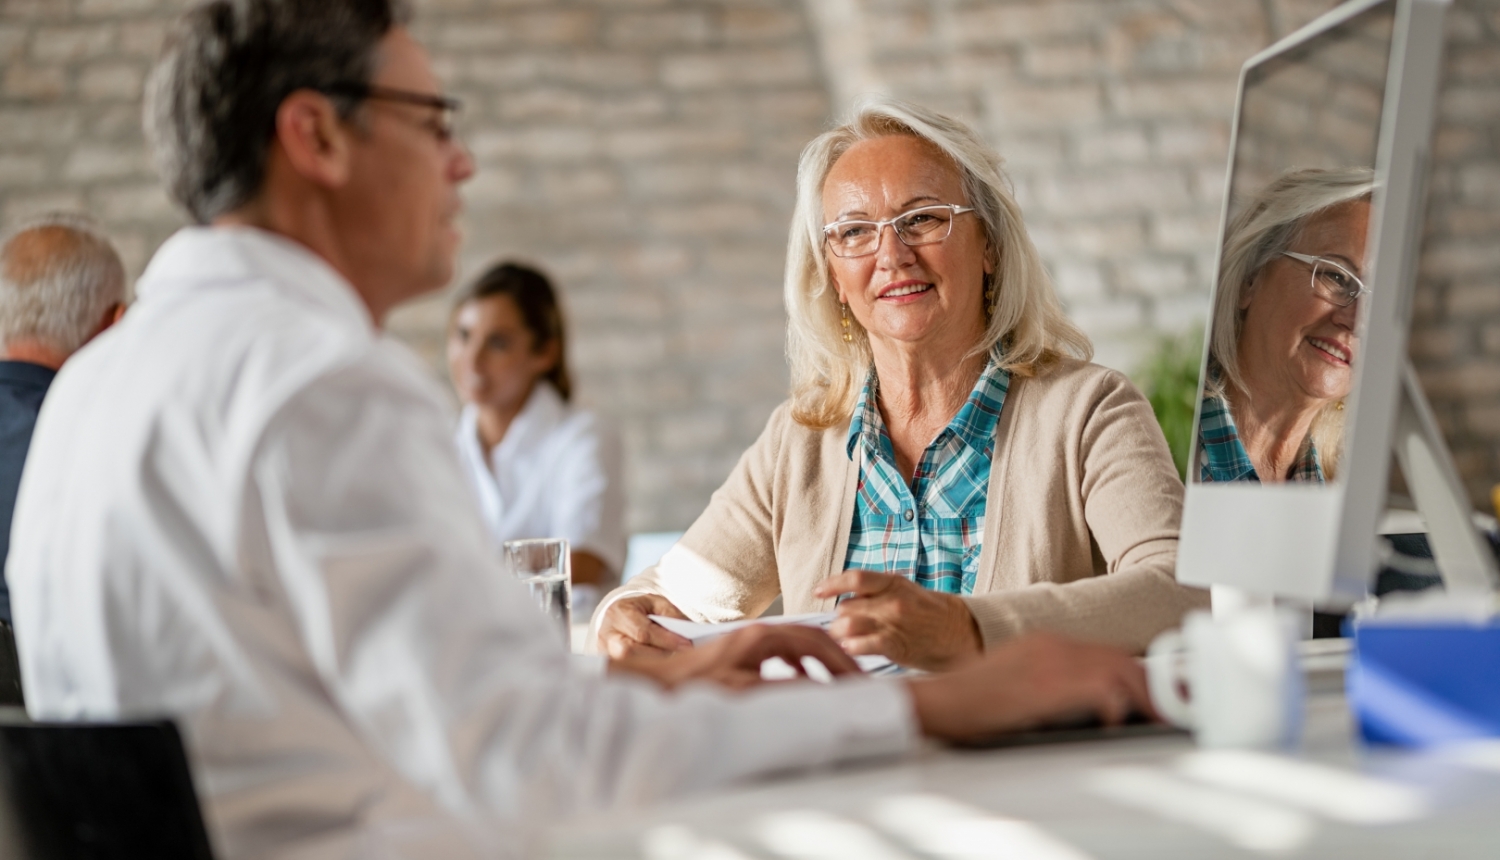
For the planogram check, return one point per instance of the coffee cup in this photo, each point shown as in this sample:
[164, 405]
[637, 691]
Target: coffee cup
[1234, 681]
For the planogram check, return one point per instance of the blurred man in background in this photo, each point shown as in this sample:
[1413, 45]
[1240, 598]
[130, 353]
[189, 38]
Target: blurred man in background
[61, 283]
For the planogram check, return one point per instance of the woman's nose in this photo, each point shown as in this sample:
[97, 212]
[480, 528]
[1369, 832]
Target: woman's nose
[890, 251]
[1348, 315]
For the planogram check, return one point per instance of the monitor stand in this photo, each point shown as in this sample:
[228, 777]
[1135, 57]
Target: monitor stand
[1462, 555]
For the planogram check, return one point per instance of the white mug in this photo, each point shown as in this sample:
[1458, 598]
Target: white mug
[1243, 679]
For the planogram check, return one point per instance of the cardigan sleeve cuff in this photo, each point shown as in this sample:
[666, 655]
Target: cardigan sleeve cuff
[997, 623]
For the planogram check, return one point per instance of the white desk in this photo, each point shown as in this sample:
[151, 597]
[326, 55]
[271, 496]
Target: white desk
[1055, 788]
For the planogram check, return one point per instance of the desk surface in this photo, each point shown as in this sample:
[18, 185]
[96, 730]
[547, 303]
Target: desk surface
[1120, 798]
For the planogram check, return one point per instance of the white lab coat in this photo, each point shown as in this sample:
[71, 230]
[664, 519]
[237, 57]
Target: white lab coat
[556, 474]
[242, 509]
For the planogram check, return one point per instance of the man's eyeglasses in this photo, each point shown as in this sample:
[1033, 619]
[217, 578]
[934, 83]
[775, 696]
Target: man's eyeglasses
[921, 226]
[1331, 282]
[446, 106]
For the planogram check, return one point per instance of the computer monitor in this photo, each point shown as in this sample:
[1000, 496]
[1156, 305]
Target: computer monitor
[1304, 372]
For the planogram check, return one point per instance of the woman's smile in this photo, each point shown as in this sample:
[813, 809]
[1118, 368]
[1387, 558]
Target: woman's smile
[1331, 351]
[905, 292]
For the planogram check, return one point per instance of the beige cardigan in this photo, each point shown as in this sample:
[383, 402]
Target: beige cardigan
[1080, 530]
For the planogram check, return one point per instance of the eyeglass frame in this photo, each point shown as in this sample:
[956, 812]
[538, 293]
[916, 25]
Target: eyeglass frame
[361, 91]
[880, 226]
[1313, 261]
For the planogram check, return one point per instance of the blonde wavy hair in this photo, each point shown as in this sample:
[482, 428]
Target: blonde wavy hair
[1270, 224]
[1025, 314]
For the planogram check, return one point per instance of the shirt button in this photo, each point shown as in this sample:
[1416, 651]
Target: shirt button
[907, 514]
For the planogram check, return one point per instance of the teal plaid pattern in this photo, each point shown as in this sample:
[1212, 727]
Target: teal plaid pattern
[1222, 457]
[931, 531]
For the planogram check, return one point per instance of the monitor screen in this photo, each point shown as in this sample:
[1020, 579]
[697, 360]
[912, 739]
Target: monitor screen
[1285, 342]
[1304, 359]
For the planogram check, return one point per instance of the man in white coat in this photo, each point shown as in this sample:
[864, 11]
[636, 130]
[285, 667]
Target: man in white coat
[243, 509]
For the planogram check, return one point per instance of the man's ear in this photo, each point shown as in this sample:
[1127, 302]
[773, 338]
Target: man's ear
[313, 139]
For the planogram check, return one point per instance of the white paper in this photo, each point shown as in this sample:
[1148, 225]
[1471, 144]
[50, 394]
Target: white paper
[697, 632]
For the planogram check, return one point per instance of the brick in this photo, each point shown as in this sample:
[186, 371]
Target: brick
[1111, 145]
[1476, 298]
[1019, 23]
[659, 29]
[132, 203]
[1187, 312]
[736, 69]
[1460, 258]
[67, 44]
[20, 207]
[578, 185]
[1066, 60]
[12, 41]
[90, 162]
[22, 170]
[111, 8]
[1212, 98]
[1111, 192]
[1197, 231]
[1079, 281]
[30, 126]
[142, 39]
[1152, 277]
[1024, 106]
[35, 82]
[1108, 317]
[111, 82]
[644, 143]
[1193, 142]
[746, 23]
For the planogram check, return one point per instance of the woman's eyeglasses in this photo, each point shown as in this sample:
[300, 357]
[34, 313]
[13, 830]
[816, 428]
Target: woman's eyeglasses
[921, 226]
[1331, 282]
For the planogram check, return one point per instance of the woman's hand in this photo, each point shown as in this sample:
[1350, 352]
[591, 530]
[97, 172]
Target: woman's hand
[626, 630]
[1034, 679]
[894, 616]
[734, 660]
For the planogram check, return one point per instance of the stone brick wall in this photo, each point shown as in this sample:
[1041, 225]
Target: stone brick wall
[642, 151]
[1455, 341]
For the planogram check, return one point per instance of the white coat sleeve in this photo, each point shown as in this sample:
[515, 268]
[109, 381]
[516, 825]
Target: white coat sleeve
[445, 667]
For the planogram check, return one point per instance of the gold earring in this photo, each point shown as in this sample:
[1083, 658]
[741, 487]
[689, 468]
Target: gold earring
[989, 296]
[844, 320]
[1340, 406]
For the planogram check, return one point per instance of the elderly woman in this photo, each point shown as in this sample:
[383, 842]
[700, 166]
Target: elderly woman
[950, 471]
[1281, 359]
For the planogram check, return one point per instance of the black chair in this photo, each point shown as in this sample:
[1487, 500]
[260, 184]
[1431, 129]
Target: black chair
[10, 669]
[92, 791]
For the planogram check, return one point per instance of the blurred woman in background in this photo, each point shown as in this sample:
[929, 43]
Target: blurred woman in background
[542, 467]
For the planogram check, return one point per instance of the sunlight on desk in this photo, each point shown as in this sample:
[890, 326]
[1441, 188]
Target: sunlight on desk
[1246, 822]
[945, 828]
[1333, 793]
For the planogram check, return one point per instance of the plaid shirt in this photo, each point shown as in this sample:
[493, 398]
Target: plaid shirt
[931, 531]
[1221, 456]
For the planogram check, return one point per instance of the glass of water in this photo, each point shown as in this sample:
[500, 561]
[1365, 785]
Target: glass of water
[544, 566]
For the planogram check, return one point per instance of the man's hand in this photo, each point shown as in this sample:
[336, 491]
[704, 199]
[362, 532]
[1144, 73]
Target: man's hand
[734, 660]
[1035, 679]
[625, 630]
[894, 616]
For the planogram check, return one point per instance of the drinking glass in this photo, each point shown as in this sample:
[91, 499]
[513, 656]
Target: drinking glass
[544, 566]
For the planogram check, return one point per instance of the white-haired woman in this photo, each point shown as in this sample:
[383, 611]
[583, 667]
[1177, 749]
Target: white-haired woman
[1284, 337]
[950, 471]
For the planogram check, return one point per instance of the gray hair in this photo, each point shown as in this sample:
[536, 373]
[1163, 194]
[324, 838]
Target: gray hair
[59, 275]
[211, 100]
[1271, 223]
[1025, 314]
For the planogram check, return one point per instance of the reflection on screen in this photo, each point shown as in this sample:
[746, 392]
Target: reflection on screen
[1284, 338]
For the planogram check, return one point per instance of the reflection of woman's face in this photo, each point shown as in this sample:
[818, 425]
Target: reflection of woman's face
[1295, 346]
[491, 355]
[901, 293]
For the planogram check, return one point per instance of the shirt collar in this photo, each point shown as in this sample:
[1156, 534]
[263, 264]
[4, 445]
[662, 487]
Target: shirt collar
[542, 413]
[198, 257]
[26, 373]
[1222, 456]
[974, 424]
